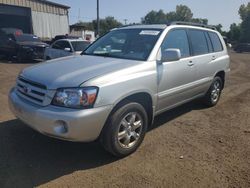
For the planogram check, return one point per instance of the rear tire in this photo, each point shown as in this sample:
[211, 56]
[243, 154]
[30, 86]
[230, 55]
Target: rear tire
[212, 96]
[125, 130]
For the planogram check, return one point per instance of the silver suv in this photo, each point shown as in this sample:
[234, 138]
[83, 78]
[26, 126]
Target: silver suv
[113, 91]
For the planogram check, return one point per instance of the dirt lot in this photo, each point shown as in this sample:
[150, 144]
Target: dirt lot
[214, 143]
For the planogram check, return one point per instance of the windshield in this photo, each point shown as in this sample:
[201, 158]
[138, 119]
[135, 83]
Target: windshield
[135, 44]
[27, 38]
[80, 45]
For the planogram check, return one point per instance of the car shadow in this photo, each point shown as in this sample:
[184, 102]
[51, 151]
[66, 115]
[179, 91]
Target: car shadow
[29, 159]
[176, 112]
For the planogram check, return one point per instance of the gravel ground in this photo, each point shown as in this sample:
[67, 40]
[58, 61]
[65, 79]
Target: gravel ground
[190, 146]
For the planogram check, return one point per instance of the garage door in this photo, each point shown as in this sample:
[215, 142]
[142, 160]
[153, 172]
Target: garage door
[15, 17]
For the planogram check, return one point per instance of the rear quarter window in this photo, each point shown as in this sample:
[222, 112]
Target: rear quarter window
[217, 46]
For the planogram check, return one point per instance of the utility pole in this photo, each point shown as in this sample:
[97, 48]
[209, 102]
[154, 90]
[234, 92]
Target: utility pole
[125, 21]
[98, 20]
[79, 15]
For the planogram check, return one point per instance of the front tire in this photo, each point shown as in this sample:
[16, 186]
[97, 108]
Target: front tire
[125, 130]
[212, 96]
[19, 57]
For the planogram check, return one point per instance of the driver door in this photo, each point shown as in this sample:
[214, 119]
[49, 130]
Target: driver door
[176, 78]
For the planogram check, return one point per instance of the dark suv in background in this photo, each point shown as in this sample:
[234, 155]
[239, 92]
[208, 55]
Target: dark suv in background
[243, 47]
[14, 43]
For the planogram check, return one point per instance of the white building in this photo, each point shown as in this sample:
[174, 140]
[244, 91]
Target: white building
[43, 18]
[81, 31]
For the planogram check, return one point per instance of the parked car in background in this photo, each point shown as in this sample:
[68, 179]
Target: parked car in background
[242, 47]
[59, 37]
[21, 46]
[11, 31]
[65, 47]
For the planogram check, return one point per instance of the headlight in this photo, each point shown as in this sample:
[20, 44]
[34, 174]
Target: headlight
[75, 97]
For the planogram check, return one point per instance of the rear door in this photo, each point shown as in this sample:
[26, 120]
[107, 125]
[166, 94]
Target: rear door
[203, 57]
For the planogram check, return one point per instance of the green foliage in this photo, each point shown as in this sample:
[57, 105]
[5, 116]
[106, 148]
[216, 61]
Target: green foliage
[244, 13]
[219, 28]
[155, 17]
[105, 25]
[235, 32]
[200, 20]
[241, 32]
[85, 25]
[182, 13]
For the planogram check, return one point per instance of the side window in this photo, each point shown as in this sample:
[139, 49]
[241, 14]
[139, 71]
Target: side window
[216, 42]
[66, 44]
[58, 45]
[198, 42]
[61, 45]
[177, 39]
[209, 43]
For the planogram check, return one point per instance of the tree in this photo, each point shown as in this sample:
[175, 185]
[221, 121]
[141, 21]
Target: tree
[183, 13]
[219, 28]
[200, 21]
[85, 25]
[244, 13]
[235, 32]
[155, 17]
[107, 24]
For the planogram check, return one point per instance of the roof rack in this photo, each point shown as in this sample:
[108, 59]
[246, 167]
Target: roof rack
[193, 24]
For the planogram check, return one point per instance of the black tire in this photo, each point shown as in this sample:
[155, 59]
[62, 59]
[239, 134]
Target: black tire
[19, 57]
[48, 58]
[212, 96]
[109, 137]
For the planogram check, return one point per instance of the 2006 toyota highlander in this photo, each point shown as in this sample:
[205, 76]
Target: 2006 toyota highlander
[113, 91]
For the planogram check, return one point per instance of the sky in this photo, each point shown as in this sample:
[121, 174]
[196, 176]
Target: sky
[224, 12]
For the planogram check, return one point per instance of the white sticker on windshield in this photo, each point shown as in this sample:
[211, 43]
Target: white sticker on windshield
[149, 32]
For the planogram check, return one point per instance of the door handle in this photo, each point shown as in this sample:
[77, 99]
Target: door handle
[213, 58]
[190, 63]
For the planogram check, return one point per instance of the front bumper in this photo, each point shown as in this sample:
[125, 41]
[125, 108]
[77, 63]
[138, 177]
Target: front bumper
[62, 123]
[32, 53]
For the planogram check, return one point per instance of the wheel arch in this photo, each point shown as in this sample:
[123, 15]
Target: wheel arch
[222, 75]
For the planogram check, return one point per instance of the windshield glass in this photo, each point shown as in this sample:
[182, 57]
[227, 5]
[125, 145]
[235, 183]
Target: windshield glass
[27, 38]
[80, 45]
[135, 44]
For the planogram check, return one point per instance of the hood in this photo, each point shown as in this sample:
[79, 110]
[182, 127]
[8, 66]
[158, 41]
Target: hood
[72, 71]
[28, 43]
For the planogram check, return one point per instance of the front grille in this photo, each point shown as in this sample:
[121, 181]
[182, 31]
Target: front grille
[39, 52]
[31, 91]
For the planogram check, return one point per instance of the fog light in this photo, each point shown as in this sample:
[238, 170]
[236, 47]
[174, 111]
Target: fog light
[61, 127]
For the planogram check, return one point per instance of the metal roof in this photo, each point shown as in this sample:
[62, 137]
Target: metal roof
[55, 4]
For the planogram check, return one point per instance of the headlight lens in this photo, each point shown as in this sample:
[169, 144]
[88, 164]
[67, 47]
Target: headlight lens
[75, 97]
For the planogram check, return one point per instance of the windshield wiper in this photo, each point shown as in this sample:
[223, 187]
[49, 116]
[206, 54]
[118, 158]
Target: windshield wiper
[103, 54]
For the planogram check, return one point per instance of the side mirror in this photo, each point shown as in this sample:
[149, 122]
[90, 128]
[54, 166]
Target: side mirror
[67, 49]
[171, 54]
